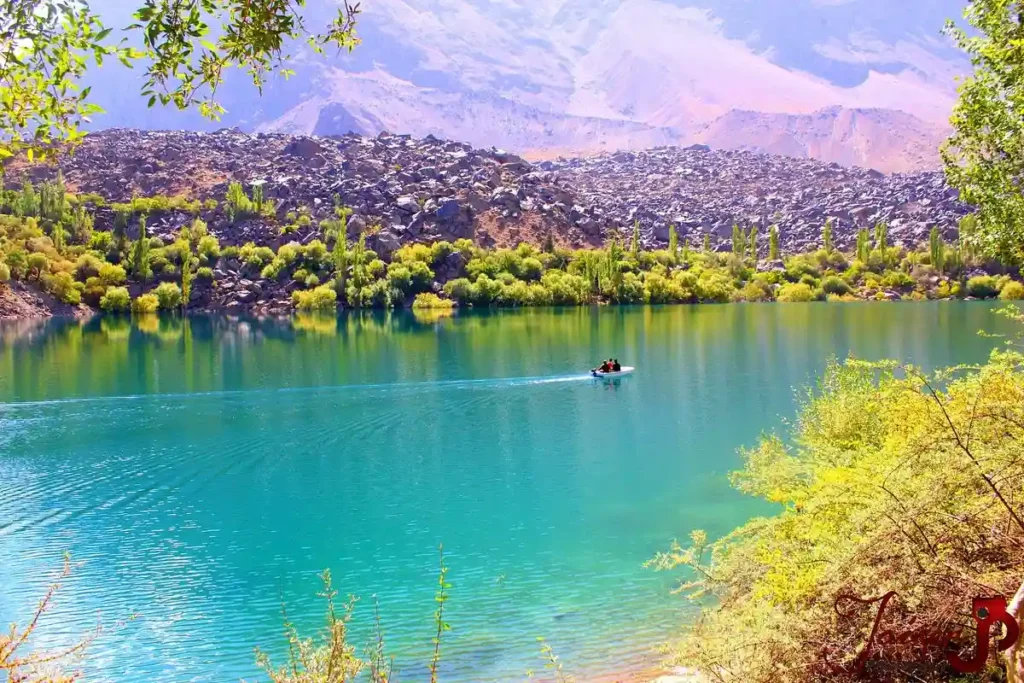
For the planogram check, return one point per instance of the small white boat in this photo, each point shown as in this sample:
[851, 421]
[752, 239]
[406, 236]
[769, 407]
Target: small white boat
[626, 370]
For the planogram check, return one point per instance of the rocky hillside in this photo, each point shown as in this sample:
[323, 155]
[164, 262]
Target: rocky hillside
[404, 189]
[705, 192]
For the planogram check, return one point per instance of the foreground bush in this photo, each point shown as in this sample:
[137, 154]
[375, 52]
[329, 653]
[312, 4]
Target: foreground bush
[886, 484]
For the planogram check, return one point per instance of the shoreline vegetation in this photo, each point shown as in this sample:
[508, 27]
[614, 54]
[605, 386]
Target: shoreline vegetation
[889, 480]
[53, 255]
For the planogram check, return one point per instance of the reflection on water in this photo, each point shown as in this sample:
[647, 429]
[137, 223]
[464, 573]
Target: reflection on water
[205, 469]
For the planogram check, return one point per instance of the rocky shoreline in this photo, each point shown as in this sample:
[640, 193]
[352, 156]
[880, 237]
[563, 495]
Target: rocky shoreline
[402, 190]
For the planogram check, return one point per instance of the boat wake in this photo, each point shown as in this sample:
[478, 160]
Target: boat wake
[491, 382]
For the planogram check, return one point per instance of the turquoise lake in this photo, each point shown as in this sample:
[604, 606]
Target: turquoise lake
[204, 472]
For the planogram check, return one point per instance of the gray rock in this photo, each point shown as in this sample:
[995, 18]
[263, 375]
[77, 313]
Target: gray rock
[408, 204]
[448, 210]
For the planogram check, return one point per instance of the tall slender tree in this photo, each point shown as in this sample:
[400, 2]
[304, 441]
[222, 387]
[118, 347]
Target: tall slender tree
[863, 246]
[882, 237]
[826, 237]
[187, 261]
[773, 243]
[752, 243]
[739, 242]
[937, 249]
[673, 243]
[140, 253]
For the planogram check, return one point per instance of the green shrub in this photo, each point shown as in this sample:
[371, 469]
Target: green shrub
[289, 253]
[112, 275]
[714, 287]
[273, 270]
[322, 298]
[169, 296]
[205, 274]
[531, 269]
[798, 266]
[146, 304]
[795, 293]
[18, 263]
[459, 290]
[116, 300]
[422, 276]
[255, 257]
[835, 285]
[5, 272]
[982, 287]
[311, 281]
[897, 279]
[753, 291]
[62, 286]
[209, 247]
[93, 291]
[38, 264]
[101, 241]
[411, 253]
[431, 300]
[1012, 291]
[400, 277]
[439, 251]
[376, 268]
[485, 291]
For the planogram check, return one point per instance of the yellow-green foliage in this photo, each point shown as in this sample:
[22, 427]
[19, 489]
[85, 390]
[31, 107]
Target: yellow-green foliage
[430, 300]
[168, 294]
[886, 484]
[322, 298]
[146, 304]
[797, 292]
[1012, 291]
[33, 250]
[982, 287]
[116, 300]
[111, 274]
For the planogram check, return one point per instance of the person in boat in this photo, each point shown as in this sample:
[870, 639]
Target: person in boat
[615, 366]
[606, 366]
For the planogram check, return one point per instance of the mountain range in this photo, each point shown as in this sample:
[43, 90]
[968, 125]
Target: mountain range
[858, 82]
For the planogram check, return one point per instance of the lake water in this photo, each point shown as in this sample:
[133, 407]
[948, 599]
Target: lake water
[204, 472]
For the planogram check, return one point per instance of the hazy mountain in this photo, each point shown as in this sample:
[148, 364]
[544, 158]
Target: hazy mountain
[562, 76]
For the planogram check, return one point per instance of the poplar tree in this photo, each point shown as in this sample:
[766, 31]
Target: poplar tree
[140, 253]
[187, 260]
[937, 249]
[773, 243]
